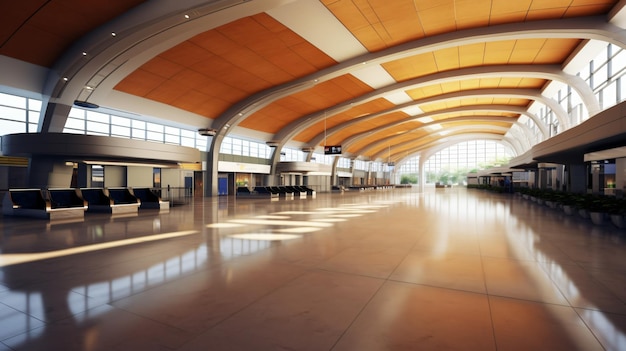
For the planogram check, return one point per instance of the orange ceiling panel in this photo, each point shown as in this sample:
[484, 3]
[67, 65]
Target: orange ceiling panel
[472, 13]
[367, 126]
[584, 10]
[226, 64]
[470, 84]
[39, 32]
[437, 106]
[140, 83]
[380, 24]
[526, 51]
[436, 19]
[306, 102]
[356, 112]
[406, 131]
[478, 123]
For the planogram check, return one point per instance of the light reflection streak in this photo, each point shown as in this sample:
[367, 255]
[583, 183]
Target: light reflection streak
[299, 230]
[525, 238]
[284, 223]
[302, 212]
[351, 210]
[224, 225]
[11, 259]
[265, 236]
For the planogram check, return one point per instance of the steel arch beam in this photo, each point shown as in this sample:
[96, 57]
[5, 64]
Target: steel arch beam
[474, 93]
[472, 108]
[456, 138]
[549, 72]
[454, 130]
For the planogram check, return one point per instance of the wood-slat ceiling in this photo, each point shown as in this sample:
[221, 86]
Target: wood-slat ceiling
[381, 24]
[214, 70]
[322, 96]
[526, 51]
[211, 71]
[40, 31]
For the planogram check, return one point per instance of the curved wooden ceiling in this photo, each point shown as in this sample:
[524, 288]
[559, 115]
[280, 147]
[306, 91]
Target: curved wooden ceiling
[209, 73]
[39, 31]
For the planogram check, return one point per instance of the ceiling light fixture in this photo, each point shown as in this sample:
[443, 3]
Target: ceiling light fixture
[207, 131]
[84, 53]
[85, 104]
[113, 34]
[186, 16]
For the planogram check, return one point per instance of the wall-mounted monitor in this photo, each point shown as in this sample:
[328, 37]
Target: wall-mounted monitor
[332, 150]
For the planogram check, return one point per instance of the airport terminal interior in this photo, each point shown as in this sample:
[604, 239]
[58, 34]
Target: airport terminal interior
[313, 175]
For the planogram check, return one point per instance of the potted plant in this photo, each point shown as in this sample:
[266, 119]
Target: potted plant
[599, 208]
[617, 213]
[569, 203]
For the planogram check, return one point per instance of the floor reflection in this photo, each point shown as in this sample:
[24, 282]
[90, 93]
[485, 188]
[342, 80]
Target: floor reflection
[419, 260]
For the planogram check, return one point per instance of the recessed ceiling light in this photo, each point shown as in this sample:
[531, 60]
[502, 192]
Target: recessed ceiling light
[113, 34]
[65, 79]
[187, 16]
[88, 87]
[84, 53]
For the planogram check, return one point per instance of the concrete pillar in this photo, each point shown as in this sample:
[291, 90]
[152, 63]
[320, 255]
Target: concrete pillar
[595, 179]
[422, 175]
[620, 175]
[54, 118]
[542, 178]
[49, 172]
[577, 178]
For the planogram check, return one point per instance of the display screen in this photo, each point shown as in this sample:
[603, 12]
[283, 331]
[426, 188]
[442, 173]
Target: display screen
[332, 150]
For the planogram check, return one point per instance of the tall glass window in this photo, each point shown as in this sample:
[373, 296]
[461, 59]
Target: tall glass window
[454, 162]
[18, 114]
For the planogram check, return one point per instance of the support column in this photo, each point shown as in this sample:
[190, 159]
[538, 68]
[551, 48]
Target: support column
[54, 118]
[542, 178]
[334, 179]
[211, 172]
[49, 172]
[421, 177]
[577, 178]
[620, 176]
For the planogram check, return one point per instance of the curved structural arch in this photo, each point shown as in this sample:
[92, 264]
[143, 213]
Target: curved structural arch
[441, 144]
[426, 154]
[550, 72]
[460, 110]
[111, 72]
[474, 93]
[486, 119]
[495, 130]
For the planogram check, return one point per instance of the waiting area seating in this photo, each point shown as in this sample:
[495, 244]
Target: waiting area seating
[257, 192]
[275, 192]
[149, 200]
[111, 200]
[52, 204]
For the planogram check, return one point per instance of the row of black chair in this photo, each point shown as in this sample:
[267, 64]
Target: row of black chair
[276, 191]
[67, 203]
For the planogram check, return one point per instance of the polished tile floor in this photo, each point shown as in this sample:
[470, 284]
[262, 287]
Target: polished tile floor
[451, 269]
